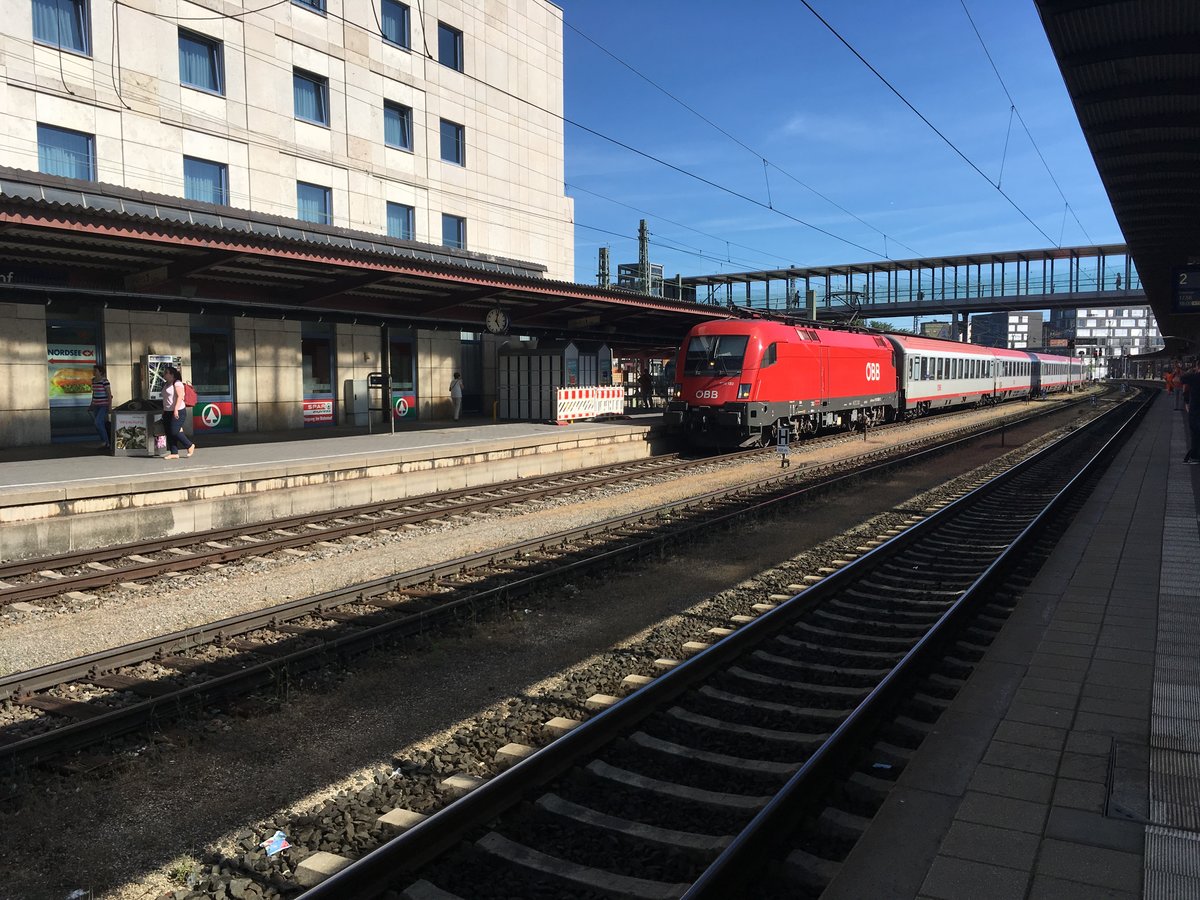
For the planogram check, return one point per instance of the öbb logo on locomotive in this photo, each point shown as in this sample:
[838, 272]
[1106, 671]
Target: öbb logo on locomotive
[740, 382]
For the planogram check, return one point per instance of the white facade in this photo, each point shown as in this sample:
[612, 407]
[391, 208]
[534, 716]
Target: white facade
[224, 83]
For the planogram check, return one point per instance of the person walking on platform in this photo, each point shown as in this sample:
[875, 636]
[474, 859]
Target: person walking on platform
[456, 392]
[1190, 381]
[101, 405]
[646, 388]
[173, 413]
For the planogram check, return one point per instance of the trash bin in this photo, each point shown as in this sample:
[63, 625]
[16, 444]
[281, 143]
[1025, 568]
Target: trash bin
[132, 427]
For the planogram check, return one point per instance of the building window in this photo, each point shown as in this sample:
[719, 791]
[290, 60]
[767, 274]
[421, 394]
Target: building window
[71, 154]
[206, 181]
[63, 23]
[311, 93]
[200, 63]
[314, 203]
[454, 143]
[450, 47]
[400, 221]
[454, 231]
[317, 6]
[396, 23]
[397, 126]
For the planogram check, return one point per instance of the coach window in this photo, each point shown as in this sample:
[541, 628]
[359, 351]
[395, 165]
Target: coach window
[769, 356]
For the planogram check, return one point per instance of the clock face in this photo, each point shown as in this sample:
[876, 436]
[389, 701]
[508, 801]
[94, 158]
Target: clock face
[496, 321]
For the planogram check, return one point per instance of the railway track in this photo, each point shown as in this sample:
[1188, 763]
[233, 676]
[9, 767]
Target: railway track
[37, 579]
[751, 768]
[81, 702]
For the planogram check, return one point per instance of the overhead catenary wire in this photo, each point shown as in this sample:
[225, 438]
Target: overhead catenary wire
[565, 119]
[575, 187]
[738, 141]
[949, 143]
[1028, 133]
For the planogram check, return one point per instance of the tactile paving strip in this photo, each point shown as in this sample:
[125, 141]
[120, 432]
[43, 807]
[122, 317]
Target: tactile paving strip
[1172, 864]
[1172, 859]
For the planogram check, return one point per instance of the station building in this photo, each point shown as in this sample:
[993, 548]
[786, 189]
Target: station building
[286, 196]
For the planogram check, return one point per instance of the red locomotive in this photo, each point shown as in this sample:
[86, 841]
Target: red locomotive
[736, 381]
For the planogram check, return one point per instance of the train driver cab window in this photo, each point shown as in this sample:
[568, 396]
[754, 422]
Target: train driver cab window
[769, 356]
[715, 354]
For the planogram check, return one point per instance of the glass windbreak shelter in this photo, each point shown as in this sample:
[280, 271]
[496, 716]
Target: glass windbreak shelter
[212, 374]
[402, 366]
[317, 360]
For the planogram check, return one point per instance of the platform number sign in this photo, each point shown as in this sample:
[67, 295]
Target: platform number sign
[1186, 290]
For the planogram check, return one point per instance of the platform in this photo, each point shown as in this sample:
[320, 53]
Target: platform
[1069, 764]
[67, 498]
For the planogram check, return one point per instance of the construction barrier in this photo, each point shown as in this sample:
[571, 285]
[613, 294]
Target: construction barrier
[576, 404]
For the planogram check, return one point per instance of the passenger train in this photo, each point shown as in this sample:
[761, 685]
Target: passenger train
[736, 381]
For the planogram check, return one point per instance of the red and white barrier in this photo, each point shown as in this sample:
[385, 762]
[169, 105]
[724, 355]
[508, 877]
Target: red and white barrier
[577, 404]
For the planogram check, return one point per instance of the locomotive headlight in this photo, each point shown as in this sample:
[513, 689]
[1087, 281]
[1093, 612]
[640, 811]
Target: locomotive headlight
[743, 392]
[677, 390]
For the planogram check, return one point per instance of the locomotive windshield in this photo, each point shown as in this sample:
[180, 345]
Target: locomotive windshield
[715, 354]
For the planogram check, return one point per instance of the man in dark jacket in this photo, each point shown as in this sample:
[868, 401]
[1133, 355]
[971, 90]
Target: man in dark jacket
[1190, 382]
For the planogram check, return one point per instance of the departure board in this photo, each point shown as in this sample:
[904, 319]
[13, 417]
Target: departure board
[1186, 297]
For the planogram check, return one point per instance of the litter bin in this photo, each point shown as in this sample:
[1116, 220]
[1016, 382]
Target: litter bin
[132, 428]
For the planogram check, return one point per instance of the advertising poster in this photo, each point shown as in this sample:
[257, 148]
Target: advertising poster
[216, 415]
[130, 432]
[69, 368]
[404, 405]
[318, 412]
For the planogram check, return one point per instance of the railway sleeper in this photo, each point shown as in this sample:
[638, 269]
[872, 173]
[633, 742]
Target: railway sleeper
[902, 574]
[830, 717]
[916, 628]
[838, 638]
[664, 837]
[870, 676]
[893, 609]
[849, 694]
[721, 799]
[841, 825]
[889, 756]
[909, 730]
[143, 687]
[723, 760]
[926, 708]
[880, 591]
[810, 871]
[816, 649]
[873, 601]
[601, 881]
[867, 790]
[804, 741]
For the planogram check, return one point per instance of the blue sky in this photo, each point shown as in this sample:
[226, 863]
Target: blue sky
[769, 73]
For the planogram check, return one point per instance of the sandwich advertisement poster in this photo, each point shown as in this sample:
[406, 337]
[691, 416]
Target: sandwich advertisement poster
[70, 372]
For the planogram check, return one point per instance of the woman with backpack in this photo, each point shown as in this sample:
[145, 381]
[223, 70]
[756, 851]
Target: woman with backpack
[174, 409]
